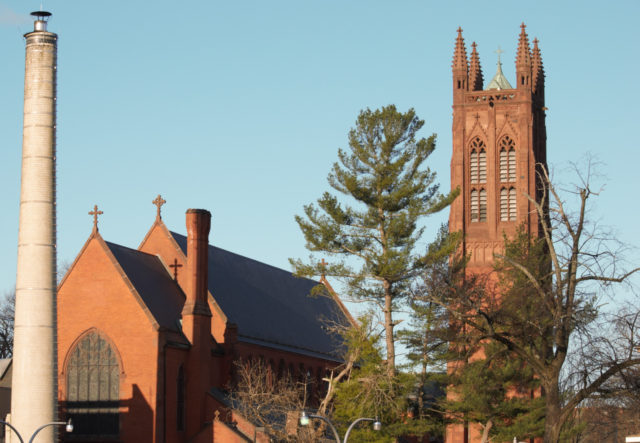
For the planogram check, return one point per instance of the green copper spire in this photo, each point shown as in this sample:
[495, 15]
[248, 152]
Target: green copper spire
[499, 81]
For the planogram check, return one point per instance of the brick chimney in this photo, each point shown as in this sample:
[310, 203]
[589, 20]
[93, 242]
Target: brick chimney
[196, 318]
[196, 283]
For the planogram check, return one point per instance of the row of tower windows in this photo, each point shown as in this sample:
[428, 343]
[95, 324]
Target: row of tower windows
[478, 161]
[479, 205]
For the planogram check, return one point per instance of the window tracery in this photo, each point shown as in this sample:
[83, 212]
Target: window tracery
[507, 159]
[93, 387]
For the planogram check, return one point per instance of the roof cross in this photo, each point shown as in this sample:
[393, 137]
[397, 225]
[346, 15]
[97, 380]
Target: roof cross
[175, 267]
[95, 214]
[324, 267]
[499, 52]
[159, 201]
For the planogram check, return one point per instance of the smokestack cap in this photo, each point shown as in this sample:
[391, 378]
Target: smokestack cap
[198, 211]
[40, 24]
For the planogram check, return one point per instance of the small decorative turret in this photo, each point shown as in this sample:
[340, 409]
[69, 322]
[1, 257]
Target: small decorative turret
[537, 70]
[523, 60]
[476, 80]
[460, 66]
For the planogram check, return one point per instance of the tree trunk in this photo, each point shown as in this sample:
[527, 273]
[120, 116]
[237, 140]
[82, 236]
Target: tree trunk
[553, 419]
[388, 328]
[485, 431]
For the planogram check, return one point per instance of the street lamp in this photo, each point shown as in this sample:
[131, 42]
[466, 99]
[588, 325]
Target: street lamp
[376, 426]
[305, 419]
[68, 427]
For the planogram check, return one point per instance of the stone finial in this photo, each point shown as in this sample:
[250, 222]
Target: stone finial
[460, 54]
[476, 79]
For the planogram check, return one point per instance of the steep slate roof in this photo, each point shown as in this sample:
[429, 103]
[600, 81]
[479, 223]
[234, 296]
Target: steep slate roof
[270, 306]
[161, 295]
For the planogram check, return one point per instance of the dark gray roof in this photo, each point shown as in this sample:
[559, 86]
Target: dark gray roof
[159, 292]
[271, 306]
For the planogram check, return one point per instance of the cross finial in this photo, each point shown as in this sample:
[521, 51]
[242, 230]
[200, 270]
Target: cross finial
[499, 52]
[175, 267]
[159, 201]
[324, 267]
[95, 214]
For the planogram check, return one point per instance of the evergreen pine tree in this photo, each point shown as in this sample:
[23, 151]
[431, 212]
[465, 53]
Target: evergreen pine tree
[374, 231]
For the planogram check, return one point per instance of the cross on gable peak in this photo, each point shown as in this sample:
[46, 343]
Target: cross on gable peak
[95, 214]
[175, 267]
[159, 202]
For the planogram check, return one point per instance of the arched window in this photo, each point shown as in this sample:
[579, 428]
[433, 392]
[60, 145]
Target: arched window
[478, 205]
[477, 162]
[180, 399]
[483, 205]
[512, 204]
[508, 204]
[93, 388]
[474, 206]
[507, 159]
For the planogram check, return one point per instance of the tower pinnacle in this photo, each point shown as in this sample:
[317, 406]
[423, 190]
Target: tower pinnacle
[523, 57]
[537, 68]
[460, 54]
[476, 79]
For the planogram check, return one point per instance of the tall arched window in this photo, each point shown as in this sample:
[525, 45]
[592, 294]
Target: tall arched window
[508, 204]
[507, 159]
[477, 162]
[478, 205]
[93, 388]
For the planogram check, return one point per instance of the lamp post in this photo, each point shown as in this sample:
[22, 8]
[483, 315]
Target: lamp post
[376, 426]
[68, 428]
[305, 419]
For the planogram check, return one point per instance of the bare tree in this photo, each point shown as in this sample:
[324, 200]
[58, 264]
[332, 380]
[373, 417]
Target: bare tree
[7, 313]
[548, 297]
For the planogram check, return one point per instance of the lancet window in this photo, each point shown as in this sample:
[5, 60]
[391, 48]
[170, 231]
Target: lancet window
[508, 204]
[478, 161]
[478, 205]
[93, 388]
[507, 160]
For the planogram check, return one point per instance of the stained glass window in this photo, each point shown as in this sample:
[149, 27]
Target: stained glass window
[93, 388]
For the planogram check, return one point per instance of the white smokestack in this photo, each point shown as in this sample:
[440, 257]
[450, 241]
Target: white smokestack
[34, 385]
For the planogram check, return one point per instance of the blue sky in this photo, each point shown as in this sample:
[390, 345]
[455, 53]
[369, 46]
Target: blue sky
[240, 107]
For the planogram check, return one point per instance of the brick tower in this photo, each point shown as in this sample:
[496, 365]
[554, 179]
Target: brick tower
[499, 138]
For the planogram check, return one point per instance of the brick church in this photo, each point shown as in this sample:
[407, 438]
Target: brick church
[148, 337]
[499, 140]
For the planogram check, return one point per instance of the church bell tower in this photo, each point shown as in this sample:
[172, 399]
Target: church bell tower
[499, 139]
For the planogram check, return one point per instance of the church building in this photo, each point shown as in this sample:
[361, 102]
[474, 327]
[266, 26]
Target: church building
[499, 142]
[148, 337]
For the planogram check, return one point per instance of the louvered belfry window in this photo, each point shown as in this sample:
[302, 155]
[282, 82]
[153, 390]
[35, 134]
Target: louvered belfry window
[507, 159]
[477, 162]
[478, 205]
[508, 204]
[475, 215]
[93, 388]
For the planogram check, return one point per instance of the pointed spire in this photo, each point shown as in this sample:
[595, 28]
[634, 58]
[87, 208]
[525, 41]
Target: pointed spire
[460, 54]
[537, 68]
[523, 58]
[476, 80]
[499, 81]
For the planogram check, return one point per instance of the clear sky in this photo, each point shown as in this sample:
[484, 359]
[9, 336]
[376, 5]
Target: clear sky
[240, 107]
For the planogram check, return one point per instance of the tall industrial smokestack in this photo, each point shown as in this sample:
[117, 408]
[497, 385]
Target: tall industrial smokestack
[34, 386]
